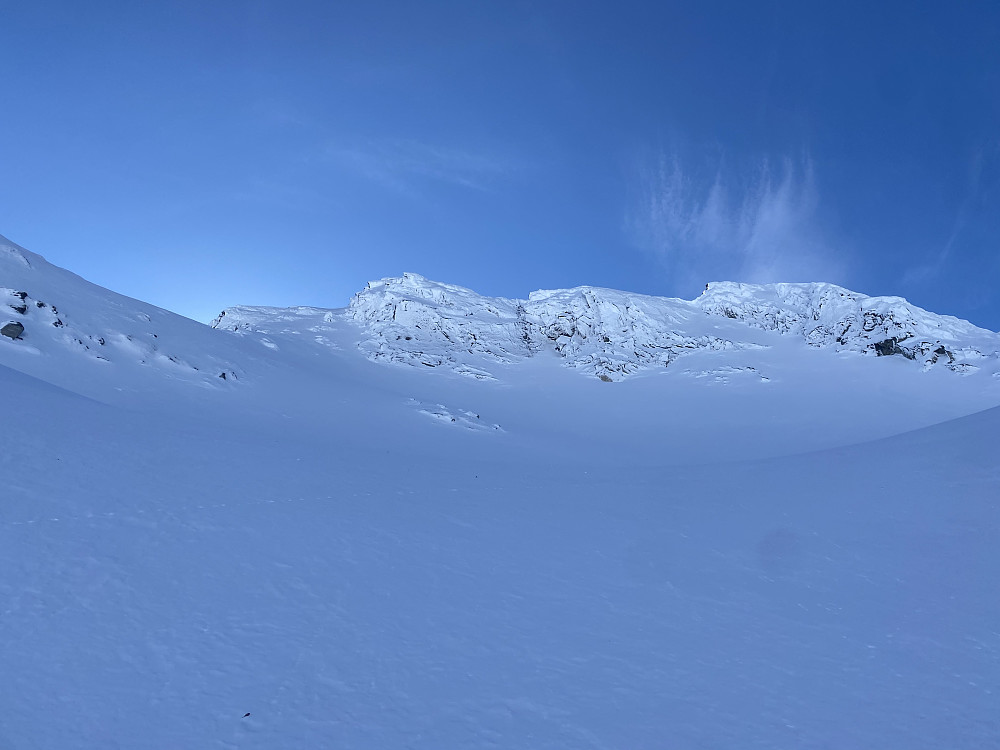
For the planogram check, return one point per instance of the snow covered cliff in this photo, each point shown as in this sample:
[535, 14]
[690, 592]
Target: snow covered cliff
[415, 321]
[612, 334]
[826, 315]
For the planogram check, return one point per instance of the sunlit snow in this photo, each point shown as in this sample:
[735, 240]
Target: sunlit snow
[302, 529]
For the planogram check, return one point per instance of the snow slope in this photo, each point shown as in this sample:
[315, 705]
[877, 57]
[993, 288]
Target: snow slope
[84, 336]
[613, 334]
[829, 315]
[360, 555]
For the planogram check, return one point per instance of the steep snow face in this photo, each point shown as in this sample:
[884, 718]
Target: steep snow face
[829, 315]
[601, 331]
[415, 321]
[612, 334]
[114, 338]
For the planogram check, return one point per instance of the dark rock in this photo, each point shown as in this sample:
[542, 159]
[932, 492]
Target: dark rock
[872, 320]
[12, 330]
[886, 348]
[889, 347]
[21, 295]
[942, 352]
[39, 304]
[20, 309]
[58, 323]
[222, 375]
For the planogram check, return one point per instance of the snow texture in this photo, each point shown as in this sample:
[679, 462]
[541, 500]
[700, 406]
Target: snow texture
[829, 315]
[612, 334]
[780, 540]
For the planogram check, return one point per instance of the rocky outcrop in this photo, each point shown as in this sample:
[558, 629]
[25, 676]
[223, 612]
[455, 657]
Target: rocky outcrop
[12, 330]
[826, 315]
[607, 333]
[413, 321]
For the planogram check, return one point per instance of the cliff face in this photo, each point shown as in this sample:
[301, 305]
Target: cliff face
[613, 334]
[415, 321]
[825, 315]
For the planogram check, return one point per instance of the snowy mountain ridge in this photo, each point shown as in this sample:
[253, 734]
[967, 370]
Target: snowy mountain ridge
[415, 321]
[778, 540]
[613, 334]
[829, 315]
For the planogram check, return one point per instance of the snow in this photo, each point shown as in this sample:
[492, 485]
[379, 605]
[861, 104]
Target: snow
[829, 315]
[765, 544]
[612, 334]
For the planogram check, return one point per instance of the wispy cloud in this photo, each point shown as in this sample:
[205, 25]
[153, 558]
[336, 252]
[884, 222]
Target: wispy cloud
[984, 165]
[406, 165]
[758, 224]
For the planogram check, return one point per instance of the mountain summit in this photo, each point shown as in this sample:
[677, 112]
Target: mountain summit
[613, 334]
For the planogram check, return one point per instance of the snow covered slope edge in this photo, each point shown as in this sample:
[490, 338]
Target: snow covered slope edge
[612, 334]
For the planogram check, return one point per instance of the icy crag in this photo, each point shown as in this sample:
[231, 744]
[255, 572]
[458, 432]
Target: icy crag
[826, 315]
[613, 334]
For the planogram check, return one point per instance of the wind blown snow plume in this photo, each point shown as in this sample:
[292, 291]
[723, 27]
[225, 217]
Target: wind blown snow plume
[761, 225]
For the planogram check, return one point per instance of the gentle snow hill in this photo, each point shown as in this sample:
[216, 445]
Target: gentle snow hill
[161, 579]
[424, 521]
[753, 358]
[767, 387]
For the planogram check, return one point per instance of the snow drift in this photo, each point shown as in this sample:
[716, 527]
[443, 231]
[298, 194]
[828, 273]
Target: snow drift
[422, 521]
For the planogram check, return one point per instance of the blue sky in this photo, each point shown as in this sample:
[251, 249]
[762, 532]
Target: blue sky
[197, 155]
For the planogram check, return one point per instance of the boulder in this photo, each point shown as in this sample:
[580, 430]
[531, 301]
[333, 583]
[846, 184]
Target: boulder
[12, 330]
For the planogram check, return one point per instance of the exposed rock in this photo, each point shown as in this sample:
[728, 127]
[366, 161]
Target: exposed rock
[611, 334]
[826, 315]
[12, 330]
[889, 347]
[941, 352]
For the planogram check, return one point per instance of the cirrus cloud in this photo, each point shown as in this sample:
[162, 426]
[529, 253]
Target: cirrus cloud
[760, 224]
